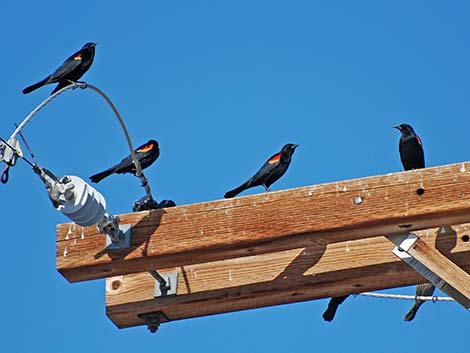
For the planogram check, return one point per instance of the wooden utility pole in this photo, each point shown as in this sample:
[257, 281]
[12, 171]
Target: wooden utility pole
[277, 247]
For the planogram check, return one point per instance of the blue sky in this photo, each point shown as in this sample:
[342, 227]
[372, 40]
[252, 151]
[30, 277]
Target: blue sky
[222, 86]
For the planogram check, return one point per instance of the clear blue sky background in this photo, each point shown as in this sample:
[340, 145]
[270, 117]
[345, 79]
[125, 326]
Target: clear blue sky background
[223, 86]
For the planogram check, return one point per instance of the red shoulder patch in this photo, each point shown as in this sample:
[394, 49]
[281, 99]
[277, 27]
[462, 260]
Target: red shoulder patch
[419, 140]
[77, 57]
[146, 148]
[275, 159]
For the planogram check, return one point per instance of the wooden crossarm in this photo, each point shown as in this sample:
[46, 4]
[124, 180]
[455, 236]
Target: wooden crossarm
[271, 222]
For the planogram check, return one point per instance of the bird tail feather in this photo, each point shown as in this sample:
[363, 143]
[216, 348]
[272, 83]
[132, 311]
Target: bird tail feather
[100, 176]
[412, 313]
[35, 86]
[425, 290]
[236, 191]
[333, 305]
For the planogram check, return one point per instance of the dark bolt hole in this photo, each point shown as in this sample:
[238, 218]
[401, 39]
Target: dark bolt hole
[115, 285]
[420, 191]
[465, 238]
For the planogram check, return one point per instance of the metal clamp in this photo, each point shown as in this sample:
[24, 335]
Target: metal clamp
[153, 320]
[9, 153]
[148, 203]
[118, 236]
[58, 190]
[165, 285]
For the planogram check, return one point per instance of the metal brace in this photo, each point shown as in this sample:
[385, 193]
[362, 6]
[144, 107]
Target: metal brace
[166, 284]
[153, 320]
[404, 243]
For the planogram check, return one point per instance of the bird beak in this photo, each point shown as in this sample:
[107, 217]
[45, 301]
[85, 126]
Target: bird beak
[397, 127]
[295, 146]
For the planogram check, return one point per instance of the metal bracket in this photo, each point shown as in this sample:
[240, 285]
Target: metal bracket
[404, 243]
[118, 236]
[153, 320]
[166, 284]
[418, 267]
[124, 241]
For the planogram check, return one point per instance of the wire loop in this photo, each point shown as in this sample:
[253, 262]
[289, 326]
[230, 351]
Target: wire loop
[84, 85]
[5, 174]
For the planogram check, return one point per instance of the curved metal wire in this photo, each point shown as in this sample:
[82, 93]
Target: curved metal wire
[136, 162]
[36, 110]
[84, 85]
[5, 173]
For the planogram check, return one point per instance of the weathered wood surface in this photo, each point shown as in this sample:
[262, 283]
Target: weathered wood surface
[452, 274]
[270, 222]
[320, 271]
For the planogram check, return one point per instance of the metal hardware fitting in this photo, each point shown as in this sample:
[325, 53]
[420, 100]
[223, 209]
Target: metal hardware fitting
[153, 320]
[148, 203]
[119, 238]
[9, 153]
[404, 242]
[166, 284]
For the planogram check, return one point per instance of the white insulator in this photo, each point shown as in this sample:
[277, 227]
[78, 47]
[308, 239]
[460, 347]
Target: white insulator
[86, 207]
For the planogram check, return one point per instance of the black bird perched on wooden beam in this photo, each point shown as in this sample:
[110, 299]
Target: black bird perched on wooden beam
[145, 154]
[412, 157]
[410, 147]
[71, 70]
[270, 172]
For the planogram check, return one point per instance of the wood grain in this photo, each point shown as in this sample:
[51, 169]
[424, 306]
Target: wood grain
[441, 266]
[319, 271]
[271, 222]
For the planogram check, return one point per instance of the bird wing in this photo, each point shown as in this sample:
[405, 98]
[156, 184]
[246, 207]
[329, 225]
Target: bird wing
[265, 170]
[145, 147]
[420, 150]
[411, 153]
[126, 164]
[67, 66]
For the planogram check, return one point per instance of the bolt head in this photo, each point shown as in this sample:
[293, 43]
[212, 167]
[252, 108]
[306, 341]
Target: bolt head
[358, 200]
